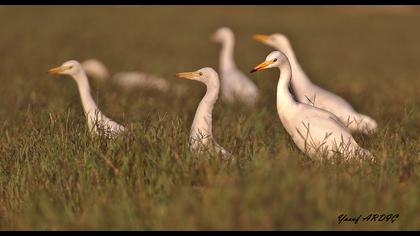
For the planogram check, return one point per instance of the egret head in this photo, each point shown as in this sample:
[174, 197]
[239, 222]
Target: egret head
[205, 75]
[276, 40]
[274, 59]
[96, 69]
[71, 67]
[221, 35]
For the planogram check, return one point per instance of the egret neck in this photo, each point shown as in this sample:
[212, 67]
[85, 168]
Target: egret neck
[202, 124]
[226, 54]
[285, 101]
[89, 105]
[301, 79]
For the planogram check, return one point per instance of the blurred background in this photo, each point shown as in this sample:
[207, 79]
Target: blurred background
[369, 55]
[351, 50]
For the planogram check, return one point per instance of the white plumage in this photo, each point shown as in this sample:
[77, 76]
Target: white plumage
[97, 122]
[309, 93]
[201, 135]
[96, 69]
[315, 131]
[235, 84]
[126, 80]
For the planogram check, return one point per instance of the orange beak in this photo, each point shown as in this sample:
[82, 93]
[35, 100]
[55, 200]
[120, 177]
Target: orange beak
[262, 66]
[261, 37]
[188, 75]
[58, 70]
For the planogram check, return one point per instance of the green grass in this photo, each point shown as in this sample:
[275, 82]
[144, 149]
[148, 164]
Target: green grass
[54, 176]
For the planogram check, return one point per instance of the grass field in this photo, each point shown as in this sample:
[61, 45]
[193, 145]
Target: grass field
[54, 176]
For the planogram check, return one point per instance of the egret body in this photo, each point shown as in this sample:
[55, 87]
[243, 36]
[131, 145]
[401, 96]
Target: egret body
[235, 84]
[96, 120]
[309, 93]
[126, 80]
[315, 131]
[201, 135]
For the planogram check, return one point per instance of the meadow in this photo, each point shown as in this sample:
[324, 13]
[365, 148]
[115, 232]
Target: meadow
[55, 176]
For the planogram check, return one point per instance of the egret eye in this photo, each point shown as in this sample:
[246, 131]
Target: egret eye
[200, 73]
[275, 59]
[71, 67]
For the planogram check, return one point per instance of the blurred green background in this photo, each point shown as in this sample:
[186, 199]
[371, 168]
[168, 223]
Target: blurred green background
[54, 176]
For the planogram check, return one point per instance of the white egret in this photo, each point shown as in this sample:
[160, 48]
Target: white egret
[315, 131]
[130, 80]
[201, 135]
[97, 122]
[309, 93]
[235, 84]
[96, 69]
[126, 80]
